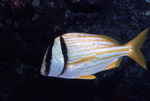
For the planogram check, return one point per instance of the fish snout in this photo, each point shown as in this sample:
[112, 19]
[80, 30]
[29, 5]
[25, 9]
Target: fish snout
[43, 69]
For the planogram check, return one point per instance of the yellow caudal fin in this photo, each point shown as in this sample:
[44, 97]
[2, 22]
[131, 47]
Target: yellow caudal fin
[134, 48]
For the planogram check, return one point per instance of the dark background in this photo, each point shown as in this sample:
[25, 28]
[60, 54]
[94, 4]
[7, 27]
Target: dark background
[27, 27]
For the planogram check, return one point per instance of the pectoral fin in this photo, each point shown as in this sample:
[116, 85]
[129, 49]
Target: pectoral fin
[81, 62]
[114, 64]
[86, 77]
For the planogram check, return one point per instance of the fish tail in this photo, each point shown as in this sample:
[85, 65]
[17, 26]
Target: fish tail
[134, 48]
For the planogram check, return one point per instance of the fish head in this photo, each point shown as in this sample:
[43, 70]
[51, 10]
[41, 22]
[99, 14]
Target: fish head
[55, 68]
[53, 62]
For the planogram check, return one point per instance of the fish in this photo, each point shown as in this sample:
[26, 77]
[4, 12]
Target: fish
[78, 55]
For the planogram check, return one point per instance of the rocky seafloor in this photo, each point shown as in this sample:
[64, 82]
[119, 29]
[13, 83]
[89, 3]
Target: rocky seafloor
[27, 27]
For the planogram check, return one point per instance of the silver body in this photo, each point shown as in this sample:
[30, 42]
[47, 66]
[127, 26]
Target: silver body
[87, 54]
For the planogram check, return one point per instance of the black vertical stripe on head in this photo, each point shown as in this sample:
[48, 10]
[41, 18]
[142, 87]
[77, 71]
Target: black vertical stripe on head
[64, 51]
[48, 58]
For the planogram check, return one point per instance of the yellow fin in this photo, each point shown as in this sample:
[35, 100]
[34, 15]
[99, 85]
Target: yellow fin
[82, 61]
[111, 40]
[86, 77]
[134, 48]
[116, 63]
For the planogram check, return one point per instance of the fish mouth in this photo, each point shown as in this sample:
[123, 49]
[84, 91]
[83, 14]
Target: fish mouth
[43, 70]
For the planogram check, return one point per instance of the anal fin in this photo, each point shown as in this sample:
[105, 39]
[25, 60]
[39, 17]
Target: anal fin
[86, 77]
[114, 64]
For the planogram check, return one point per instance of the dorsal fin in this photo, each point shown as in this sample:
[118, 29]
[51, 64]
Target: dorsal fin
[92, 36]
[110, 40]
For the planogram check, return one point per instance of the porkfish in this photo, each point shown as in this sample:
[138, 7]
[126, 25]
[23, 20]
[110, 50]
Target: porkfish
[80, 55]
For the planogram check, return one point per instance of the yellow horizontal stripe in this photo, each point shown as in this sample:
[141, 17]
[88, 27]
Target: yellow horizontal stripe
[102, 52]
[100, 63]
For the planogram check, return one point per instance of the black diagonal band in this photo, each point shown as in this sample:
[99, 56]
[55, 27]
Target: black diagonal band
[64, 51]
[48, 58]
